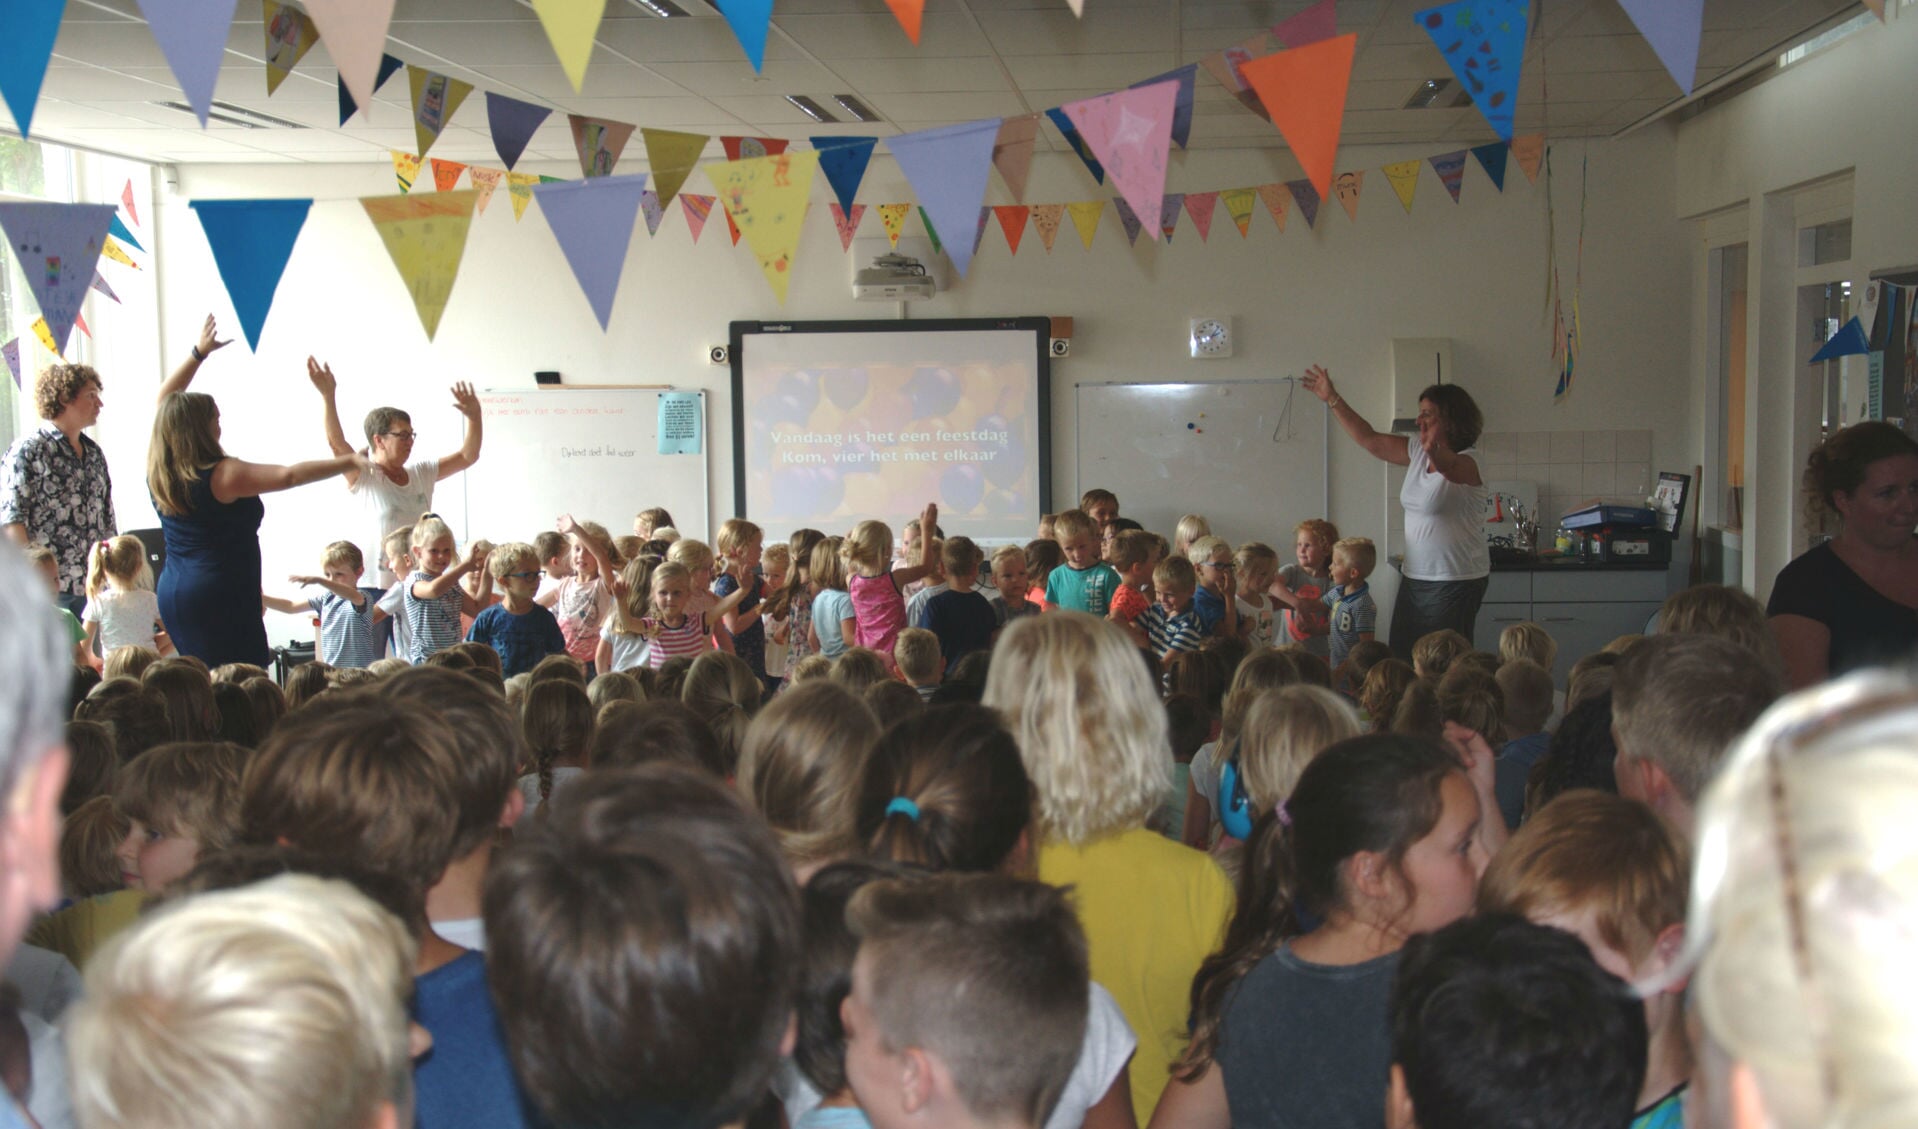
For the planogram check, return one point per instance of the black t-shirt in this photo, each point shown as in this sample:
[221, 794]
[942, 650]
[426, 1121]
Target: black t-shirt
[1867, 628]
[1308, 1046]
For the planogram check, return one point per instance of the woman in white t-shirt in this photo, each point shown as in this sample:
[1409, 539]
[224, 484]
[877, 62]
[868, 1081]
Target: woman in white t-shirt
[396, 490]
[1447, 562]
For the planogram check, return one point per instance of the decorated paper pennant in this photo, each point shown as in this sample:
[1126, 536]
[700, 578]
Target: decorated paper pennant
[766, 197]
[979, 232]
[1483, 41]
[355, 34]
[1169, 209]
[290, 34]
[1238, 204]
[1078, 144]
[251, 241]
[1131, 133]
[1012, 221]
[25, 47]
[599, 141]
[1304, 90]
[1046, 218]
[746, 148]
[1346, 187]
[1224, 66]
[893, 216]
[847, 224]
[948, 168]
[1186, 77]
[672, 156]
[192, 35]
[1849, 341]
[519, 185]
[11, 350]
[544, 179]
[436, 97]
[593, 222]
[80, 323]
[119, 231]
[697, 208]
[389, 66]
[932, 233]
[1306, 195]
[1130, 219]
[748, 19]
[655, 213]
[118, 254]
[1315, 24]
[513, 124]
[484, 181]
[1085, 218]
[1277, 199]
[446, 174]
[406, 169]
[57, 247]
[100, 283]
[909, 14]
[1078, 7]
[571, 26]
[1673, 28]
[732, 226]
[1492, 159]
[44, 335]
[126, 201]
[1404, 176]
[426, 237]
[1200, 206]
[1451, 170]
[1012, 151]
[844, 161]
[1530, 151]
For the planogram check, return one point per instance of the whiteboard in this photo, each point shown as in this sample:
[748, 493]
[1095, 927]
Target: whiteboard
[593, 453]
[1248, 455]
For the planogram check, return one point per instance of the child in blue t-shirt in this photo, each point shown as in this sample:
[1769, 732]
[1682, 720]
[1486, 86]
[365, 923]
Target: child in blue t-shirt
[1216, 597]
[1084, 583]
[1354, 617]
[518, 628]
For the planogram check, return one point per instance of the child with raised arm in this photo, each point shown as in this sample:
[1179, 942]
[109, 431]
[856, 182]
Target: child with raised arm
[438, 591]
[878, 592]
[741, 546]
[582, 601]
[555, 560]
[1258, 567]
[517, 627]
[1300, 586]
[674, 632]
[701, 566]
[1084, 583]
[348, 613]
[121, 608]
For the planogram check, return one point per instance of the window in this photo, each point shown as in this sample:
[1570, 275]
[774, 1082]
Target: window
[29, 170]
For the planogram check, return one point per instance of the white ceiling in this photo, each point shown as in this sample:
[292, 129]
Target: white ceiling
[976, 59]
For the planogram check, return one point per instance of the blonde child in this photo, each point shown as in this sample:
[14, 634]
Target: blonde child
[1302, 585]
[583, 600]
[961, 616]
[121, 607]
[1352, 616]
[348, 613]
[917, 655]
[396, 553]
[1048, 527]
[1258, 567]
[792, 601]
[700, 562]
[1528, 640]
[776, 567]
[1134, 556]
[907, 551]
[674, 631]
[518, 628]
[1216, 598]
[833, 626]
[1011, 585]
[623, 641]
[878, 592]
[1084, 583]
[1191, 527]
[650, 521]
[438, 591]
[740, 544]
[1171, 626]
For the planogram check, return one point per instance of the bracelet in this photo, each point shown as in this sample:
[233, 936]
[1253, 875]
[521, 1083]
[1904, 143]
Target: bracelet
[1337, 402]
[197, 355]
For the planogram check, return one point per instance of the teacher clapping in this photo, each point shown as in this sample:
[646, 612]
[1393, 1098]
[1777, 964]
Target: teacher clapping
[210, 512]
[1447, 564]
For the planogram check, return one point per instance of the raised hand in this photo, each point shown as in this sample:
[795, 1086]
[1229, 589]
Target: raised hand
[1319, 382]
[466, 400]
[566, 525]
[322, 377]
[209, 338]
[477, 552]
[1473, 751]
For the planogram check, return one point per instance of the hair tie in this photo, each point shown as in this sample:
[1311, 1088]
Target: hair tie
[1285, 817]
[902, 806]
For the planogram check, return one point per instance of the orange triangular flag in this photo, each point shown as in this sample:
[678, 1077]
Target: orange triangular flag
[1530, 151]
[1347, 186]
[894, 217]
[1304, 90]
[908, 13]
[1012, 221]
[1275, 196]
[446, 174]
[731, 224]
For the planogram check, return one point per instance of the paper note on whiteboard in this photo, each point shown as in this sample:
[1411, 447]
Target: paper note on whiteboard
[681, 428]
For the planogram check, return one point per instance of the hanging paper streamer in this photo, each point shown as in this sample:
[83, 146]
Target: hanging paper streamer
[948, 169]
[485, 181]
[599, 141]
[748, 19]
[766, 197]
[426, 237]
[1314, 25]
[571, 26]
[1130, 219]
[746, 148]
[1186, 77]
[25, 48]
[1530, 151]
[1491, 158]
[1071, 132]
[406, 169]
[1346, 188]
[119, 231]
[1849, 341]
[1451, 170]
[932, 233]
[1306, 196]
[1673, 28]
[1404, 177]
[1200, 206]
[290, 34]
[1238, 204]
[1131, 133]
[893, 216]
[57, 247]
[655, 213]
[697, 208]
[389, 66]
[1169, 209]
[1085, 218]
[100, 283]
[672, 156]
[844, 161]
[1483, 41]
[355, 34]
[192, 35]
[118, 254]
[11, 350]
[847, 225]
[446, 174]
[519, 185]
[512, 123]
[251, 241]
[126, 201]
[1304, 90]
[909, 13]
[1012, 151]
[1277, 199]
[1046, 218]
[1012, 221]
[593, 223]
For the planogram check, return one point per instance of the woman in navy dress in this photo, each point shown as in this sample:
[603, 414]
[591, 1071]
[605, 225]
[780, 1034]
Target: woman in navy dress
[210, 511]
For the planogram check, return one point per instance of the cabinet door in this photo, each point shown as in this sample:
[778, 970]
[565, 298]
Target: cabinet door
[1494, 618]
[1582, 629]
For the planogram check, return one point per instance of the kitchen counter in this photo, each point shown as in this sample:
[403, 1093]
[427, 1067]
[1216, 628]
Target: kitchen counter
[1513, 563]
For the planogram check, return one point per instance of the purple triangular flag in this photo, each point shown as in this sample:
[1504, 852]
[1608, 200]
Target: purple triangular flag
[1181, 108]
[948, 169]
[1307, 198]
[32, 26]
[57, 247]
[1847, 342]
[1491, 158]
[1451, 170]
[388, 67]
[192, 35]
[11, 350]
[513, 123]
[1130, 219]
[650, 207]
[593, 221]
[99, 283]
[1673, 28]
[1169, 209]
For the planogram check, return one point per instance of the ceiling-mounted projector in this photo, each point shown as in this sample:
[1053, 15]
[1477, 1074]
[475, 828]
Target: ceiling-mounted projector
[893, 278]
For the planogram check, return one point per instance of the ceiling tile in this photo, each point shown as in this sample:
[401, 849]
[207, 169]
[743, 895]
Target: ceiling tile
[942, 108]
[866, 37]
[1107, 72]
[1056, 32]
[885, 76]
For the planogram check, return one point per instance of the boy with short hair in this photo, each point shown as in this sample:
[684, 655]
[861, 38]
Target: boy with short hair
[1084, 583]
[1011, 585]
[1132, 557]
[348, 612]
[1102, 506]
[968, 1002]
[48, 566]
[1435, 652]
[1171, 626]
[1349, 608]
[1611, 872]
[1528, 703]
[517, 627]
[555, 559]
[397, 553]
[933, 583]
[917, 653]
[961, 617]
[1215, 598]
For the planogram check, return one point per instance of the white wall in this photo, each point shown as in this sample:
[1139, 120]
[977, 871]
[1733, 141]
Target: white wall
[1474, 272]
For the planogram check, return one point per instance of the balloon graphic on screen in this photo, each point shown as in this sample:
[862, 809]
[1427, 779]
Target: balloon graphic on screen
[846, 387]
[961, 487]
[933, 391]
[801, 390]
[807, 490]
[1008, 457]
[1004, 503]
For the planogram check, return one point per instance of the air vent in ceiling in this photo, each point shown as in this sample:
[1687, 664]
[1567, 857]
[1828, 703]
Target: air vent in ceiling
[810, 108]
[235, 115]
[859, 110]
[664, 9]
[1438, 94]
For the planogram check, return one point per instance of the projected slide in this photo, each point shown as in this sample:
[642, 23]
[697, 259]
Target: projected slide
[837, 422]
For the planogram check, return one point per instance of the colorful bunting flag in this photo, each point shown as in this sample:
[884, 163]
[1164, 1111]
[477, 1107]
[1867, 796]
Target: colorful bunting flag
[844, 161]
[893, 216]
[25, 48]
[599, 141]
[948, 168]
[672, 156]
[192, 35]
[1404, 176]
[446, 174]
[126, 201]
[436, 97]
[1046, 218]
[766, 197]
[1169, 209]
[1130, 219]
[406, 168]
[1012, 221]
[45, 336]
[1483, 41]
[932, 233]
[571, 26]
[11, 350]
[655, 213]
[1451, 170]
[100, 283]
[57, 247]
[593, 221]
[748, 19]
[519, 186]
[484, 181]
[1200, 206]
[80, 323]
[1306, 195]
[426, 237]
[389, 66]
[1673, 28]
[745, 148]
[1346, 188]
[512, 123]
[1530, 151]
[979, 232]
[1849, 341]
[290, 34]
[1315, 24]
[847, 224]
[1276, 200]
[1012, 151]
[1238, 204]
[1186, 77]
[697, 208]
[1071, 132]
[119, 231]
[1304, 90]
[1491, 158]
[544, 179]
[118, 254]
[1225, 67]
[355, 34]
[909, 13]
[1130, 131]
[732, 226]
[1085, 218]
[251, 241]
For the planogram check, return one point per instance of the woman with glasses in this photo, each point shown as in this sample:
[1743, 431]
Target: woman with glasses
[399, 487]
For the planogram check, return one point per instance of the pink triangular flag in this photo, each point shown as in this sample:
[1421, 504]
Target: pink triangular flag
[126, 197]
[354, 32]
[80, 323]
[1130, 131]
[697, 209]
[485, 180]
[1200, 205]
[1318, 22]
[848, 225]
[1277, 199]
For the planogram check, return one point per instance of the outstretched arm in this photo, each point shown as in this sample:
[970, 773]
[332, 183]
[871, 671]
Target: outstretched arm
[234, 479]
[283, 604]
[468, 404]
[1392, 448]
[189, 368]
[345, 592]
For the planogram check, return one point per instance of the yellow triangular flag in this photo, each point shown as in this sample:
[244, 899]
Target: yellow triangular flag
[1085, 216]
[672, 157]
[571, 25]
[1404, 176]
[519, 185]
[1346, 187]
[290, 34]
[894, 217]
[1238, 204]
[406, 169]
[112, 250]
[766, 197]
[435, 98]
[426, 236]
[45, 333]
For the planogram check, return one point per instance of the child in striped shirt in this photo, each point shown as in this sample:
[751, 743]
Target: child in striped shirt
[347, 611]
[675, 632]
[1171, 625]
[438, 591]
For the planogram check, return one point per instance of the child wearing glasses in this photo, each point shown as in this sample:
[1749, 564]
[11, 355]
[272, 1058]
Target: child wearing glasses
[517, 627]
[1216, 598]
[348, 612]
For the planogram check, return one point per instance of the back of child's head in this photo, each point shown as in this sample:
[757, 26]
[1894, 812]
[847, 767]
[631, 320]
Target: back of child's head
[185, 790]
[719, 684]
[486, 734]
[1322, 533]
[1419, 712]
[1131, 547]
[1357, 553]
[1485, 662]
[1314, 670]
[92, 764]
[428, 529]
[810, 668]
[136, 715]
[89, 848]
[1187, 672]
[479, 656]
[549, 544]
[1384, 687]
[945, 790]
[81, 680]
[556, 719]
[1042, 556]
[1359, 661]
[1188, 725]
[1581, 755]
[510, 557]
[668, 1003]
[858, 668]
[1721, 610]
[1047, 527]
[1527, 688]
[670, 678]
[794, 558]
[827, 565]
[891, 702]
[917, 653]
[828, 947]
[562, 668]
[652, 519]
[1190, 528]
[868, 548]
[665, 536]
[1679, 701]
[628, 546]
[311, 679]
[1435, 652]
[961, 556]
[268, 703]
[799, 765]
[1284, 730]
[693, 555]
[191, 714]
[627, 735]
[987, 975]
[1500, 1023]
[1175, 575]
[735, 535]
[1074, 524]
[614, 686]
[1590, 677]
[237, 672]
[398, 545]
[122, 559]
[637, 576]
[1265, 669]
[1470, 697]
[235, 711]
[129, 661]
[1527, 640]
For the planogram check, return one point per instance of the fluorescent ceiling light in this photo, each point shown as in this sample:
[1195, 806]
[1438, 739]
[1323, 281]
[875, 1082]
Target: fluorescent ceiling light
[1828, 37]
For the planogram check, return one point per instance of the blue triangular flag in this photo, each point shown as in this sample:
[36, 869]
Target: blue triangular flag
[348, 107]
[1492, 159]
[513, 123]
[844, 160]
[1078, 143]
[593, 221]
[192, 36]
[57, 247]
[32, 26]
[1483, 41]
[948, 168]
[251, 241]
[1847, 342]
[1182, 108]
[748, 19]
[119, 231]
